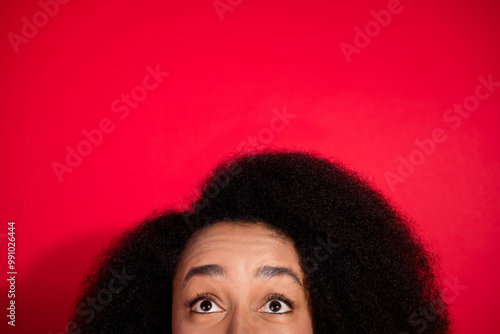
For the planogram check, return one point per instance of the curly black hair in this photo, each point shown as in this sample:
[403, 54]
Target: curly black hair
[375, 274]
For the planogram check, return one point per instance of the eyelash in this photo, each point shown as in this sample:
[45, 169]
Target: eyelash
[280, 297]
[198, 297]
[275, 296]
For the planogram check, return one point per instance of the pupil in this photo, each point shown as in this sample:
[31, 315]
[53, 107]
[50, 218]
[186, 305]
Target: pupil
[275, 306]
[206, 305]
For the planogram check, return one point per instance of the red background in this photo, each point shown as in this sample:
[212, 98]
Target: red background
[225, 79]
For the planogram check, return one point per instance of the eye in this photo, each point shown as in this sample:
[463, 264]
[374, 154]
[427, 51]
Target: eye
[204, 304]
[277, 304]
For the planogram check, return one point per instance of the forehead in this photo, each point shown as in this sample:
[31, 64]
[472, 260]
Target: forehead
[251, 244]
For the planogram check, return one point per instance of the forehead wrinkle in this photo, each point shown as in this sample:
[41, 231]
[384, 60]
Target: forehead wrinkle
[263, 230]
[209, 242]
[213, 242]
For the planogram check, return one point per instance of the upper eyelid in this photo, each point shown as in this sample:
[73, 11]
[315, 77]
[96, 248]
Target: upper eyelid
[208, 296]
[290, 308]
[202, 296]
[279, 296]
[200, 299]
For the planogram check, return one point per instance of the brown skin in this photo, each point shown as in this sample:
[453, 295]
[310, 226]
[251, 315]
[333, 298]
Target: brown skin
[240, 303]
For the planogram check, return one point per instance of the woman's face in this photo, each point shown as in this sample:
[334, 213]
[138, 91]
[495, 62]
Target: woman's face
[239, 279]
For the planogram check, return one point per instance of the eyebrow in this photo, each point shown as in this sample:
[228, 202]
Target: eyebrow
[269, 272]
[208, 270]
[265, 272]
